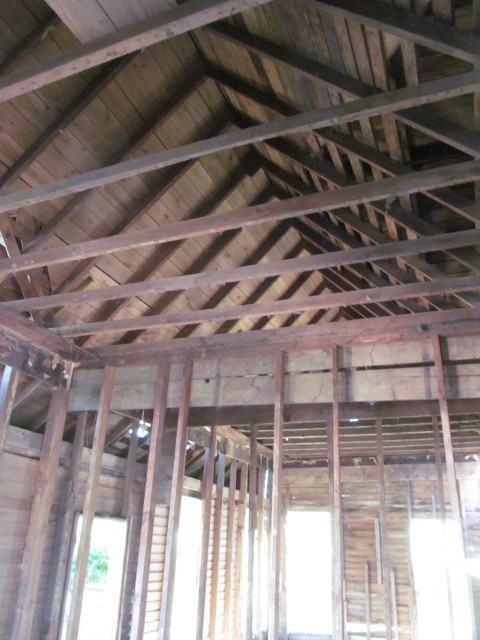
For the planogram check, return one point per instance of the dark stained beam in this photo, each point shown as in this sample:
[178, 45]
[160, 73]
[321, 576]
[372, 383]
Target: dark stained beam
[169, 23]
[247, 216]
[452, 322]
[432, 34]
[312, 303]
[166, 182]
[148, 128]
[423, 119]
[256, 255]
[37, 352]
[346, 112]
[63, 120]
[339, 258]
[30, 42]
[261, 289]
[214, 249]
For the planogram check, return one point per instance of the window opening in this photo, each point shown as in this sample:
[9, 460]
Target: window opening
[309, 573]
[436, 551]
[101, 595]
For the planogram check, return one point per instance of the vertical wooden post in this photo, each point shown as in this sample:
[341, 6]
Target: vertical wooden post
[130, 474]
[283, 578]
[252, 525]
[207, 491]
[149, 502]
[8, 388]
[63, 533]
[367, 602]
[412, 601]
[217, 534]
[73, 623]
[336, 508]
[276, 501]
[127, 513]
[39, 514]
[387, 588]
[447, 434]
[175, 505]
[239, 551]
[455, 501]
[439, 468]
[442, 508]
[260, 565]
[227, 616]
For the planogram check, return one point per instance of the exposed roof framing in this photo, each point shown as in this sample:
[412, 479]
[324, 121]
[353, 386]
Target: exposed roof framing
[176, 176]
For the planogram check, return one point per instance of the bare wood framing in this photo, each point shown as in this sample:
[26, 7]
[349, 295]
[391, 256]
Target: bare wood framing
[63, 534]
[454, 493]
[35, 351]
[338, 588]
[73, 623]
[273, 268]
[238, 549]
[207, 493]
[38, 521]
[252, 525]
[402, 327]
[227, 616]
[217, 532]
[432, 34]
[375, 105]
[8, 388]
[282, 306]
[169, 23]
[175, 503]
[384, 557]
[149, 502]
[274, 601]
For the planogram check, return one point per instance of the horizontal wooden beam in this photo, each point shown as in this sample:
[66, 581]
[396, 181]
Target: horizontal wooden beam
[274, 268]
[374, 330]
[310, 303]
[374, 105]
[248, 216]
[245, 416]
[35, 351]
[168, 24]
[432, 34]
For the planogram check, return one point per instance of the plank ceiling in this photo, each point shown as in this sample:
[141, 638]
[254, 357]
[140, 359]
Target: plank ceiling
[274, 61]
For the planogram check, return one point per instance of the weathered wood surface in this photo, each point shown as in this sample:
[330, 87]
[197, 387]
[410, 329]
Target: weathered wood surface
[377, 104]
[176, 20]
[92, 483]
[368, 373]
[417, 326]
[269, 212]
[312, 303]
[35, 539]
[32, 349]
